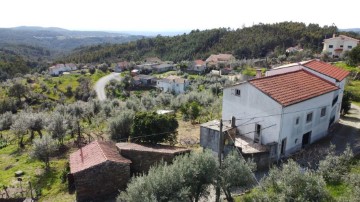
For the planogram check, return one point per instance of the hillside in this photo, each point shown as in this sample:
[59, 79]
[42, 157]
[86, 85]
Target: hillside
[248, 42]
[57, 40]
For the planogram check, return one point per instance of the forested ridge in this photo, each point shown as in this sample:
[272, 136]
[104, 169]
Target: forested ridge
[248, 42]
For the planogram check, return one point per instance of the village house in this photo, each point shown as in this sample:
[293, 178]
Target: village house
[173, 84]
[289, 109]
[220, 60]
[337, 45]
[198, 66]
[144, 80]
[98, 171]
[121, 66]
[58, 69]
[143, 156]
[163, 68]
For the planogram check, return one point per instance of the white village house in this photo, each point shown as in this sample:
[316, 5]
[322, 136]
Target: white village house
[291, 107]
[58, 69]
[338, 45]
[174, 84]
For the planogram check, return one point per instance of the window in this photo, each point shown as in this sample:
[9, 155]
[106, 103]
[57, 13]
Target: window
[331, 46]
[349, 47]
[323, 112]
[309, 117]
[341, 46]
[335, 100]
[297, 121]
[237, 92]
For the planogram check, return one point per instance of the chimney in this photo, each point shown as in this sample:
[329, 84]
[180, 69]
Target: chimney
[258, 73]
[233, 122]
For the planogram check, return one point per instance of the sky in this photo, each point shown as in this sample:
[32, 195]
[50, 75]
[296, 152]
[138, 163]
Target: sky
[174, 15]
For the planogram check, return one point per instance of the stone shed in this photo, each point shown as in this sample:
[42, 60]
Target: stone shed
[143, 156]
[98, 171]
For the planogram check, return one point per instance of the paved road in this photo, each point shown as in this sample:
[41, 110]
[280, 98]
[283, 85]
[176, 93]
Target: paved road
[101, 83]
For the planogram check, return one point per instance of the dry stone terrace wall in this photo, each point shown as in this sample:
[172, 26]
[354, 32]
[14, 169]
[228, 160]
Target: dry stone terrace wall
[101, 181]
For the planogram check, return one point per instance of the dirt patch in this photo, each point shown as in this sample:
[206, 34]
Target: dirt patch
[188, 134]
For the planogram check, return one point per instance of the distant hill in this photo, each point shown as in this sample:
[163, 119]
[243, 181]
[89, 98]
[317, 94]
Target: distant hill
[357, 30]
[257, 41]
[58, 40]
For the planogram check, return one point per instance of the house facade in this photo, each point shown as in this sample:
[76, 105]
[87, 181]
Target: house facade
[288, 110]
[174, 84]
[338, 45]
[197, 66]
[58, 69]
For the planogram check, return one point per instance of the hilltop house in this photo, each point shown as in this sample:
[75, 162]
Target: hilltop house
[98, 170]
[58, 69]
[338, 45]
[172, 83]
[290, 108]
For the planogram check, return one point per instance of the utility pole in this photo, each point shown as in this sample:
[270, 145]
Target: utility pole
[220, 151]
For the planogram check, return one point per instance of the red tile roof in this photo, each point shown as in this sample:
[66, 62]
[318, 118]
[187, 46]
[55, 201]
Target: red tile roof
[93, 154]
[293, 87]
[327, 69]
[151, 148]
[200, 62]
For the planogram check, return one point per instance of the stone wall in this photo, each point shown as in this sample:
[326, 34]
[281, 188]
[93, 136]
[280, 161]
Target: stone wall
[143, 160]
[101, 181]
[262, 160]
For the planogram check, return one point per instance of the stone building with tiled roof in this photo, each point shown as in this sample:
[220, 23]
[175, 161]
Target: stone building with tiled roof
[291, 107]
[98, 170]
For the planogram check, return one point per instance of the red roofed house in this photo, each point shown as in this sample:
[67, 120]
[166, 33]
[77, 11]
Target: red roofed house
[218, 59]
[98, 171]
[338, 45]
[198, 66]
[288, 109]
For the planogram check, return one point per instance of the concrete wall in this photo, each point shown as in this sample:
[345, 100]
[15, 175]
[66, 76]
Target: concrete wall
[209, 139]
[283, 70]
[101, 181]
[250, 108]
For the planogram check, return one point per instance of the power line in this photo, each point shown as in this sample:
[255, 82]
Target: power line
[274, 114]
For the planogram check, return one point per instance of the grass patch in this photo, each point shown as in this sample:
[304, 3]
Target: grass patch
[338, 190]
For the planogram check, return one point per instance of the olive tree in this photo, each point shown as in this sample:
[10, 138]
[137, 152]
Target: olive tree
[20, 127]
[57, 127]
[235, 172]
[6, 120]
[43, 148]
[187, 179]
[120, 126]
[291, 183]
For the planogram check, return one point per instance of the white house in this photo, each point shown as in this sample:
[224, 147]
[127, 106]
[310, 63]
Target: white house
[338, 45]
[324, 70]
[173, 84]
[58, 69]
[291, 109]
